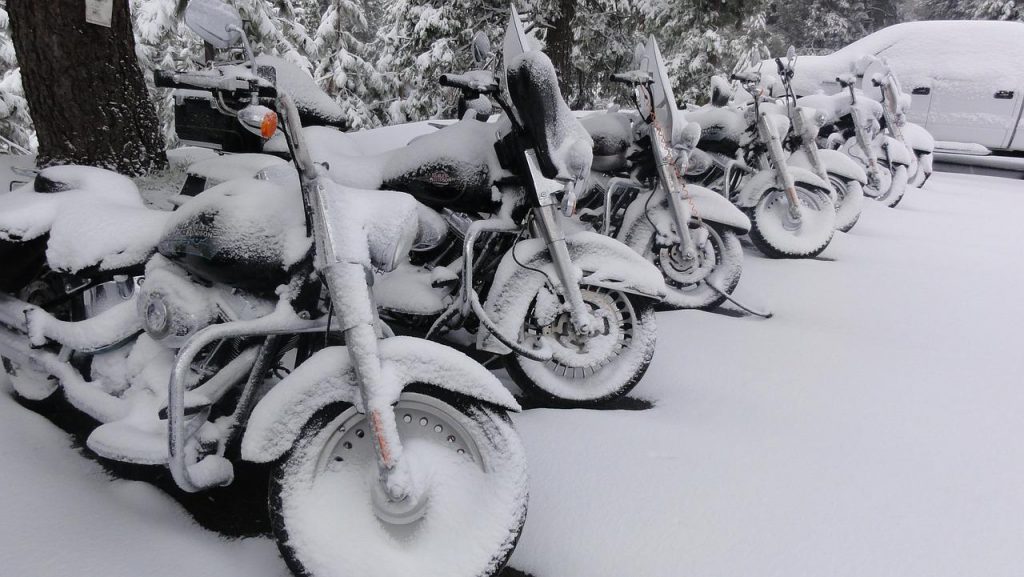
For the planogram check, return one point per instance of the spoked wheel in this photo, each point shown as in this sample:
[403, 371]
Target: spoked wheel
[897, 188]
[777, 234]
[331, 517]
[586, 370]
[849, 201]
[719, 262]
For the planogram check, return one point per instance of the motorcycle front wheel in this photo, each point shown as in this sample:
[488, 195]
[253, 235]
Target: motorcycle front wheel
[849, 201]
[719, 262]
[777, 234]
[898, 187]
[586, 371]
[330, 516]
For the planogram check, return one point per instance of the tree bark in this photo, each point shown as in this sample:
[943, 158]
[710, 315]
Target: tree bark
[84, 87]
[559, 43]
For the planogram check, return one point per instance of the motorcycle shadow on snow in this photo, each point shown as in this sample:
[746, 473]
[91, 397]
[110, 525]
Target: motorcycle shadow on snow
[236, 511]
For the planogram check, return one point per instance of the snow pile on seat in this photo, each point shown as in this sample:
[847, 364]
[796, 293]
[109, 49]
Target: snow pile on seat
[99, 220]
[26, 214]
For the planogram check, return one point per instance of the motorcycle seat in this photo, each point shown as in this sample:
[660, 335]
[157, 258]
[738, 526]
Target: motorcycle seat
[93, 218]
[564, 149]
[612, 133]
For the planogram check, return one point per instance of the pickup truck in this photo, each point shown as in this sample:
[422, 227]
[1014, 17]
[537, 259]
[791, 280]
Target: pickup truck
[965, 77]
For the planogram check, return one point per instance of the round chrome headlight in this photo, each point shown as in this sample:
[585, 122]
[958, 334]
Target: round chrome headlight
[155, 319]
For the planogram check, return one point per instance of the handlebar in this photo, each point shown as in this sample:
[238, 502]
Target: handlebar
[633, 78]
[209, 82]
[745, 78]
[468, 83]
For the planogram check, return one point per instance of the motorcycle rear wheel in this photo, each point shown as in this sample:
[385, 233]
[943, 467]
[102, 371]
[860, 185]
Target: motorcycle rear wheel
[601, 368]
[330, 518]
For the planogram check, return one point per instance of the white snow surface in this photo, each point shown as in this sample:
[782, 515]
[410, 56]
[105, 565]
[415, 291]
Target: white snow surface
[870, 428]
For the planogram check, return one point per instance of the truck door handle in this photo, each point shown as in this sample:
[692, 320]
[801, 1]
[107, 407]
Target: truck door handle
[922, 90]
[1004, 95]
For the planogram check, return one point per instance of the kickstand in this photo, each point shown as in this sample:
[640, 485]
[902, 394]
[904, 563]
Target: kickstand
[729, 297]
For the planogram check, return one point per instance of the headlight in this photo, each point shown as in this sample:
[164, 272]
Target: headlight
[155, 319]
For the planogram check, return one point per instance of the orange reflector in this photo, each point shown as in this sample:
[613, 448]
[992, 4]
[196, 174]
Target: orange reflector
[269, 125]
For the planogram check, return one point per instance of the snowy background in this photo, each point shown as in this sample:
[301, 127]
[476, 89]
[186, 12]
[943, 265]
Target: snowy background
[380, 59]
[871, 428]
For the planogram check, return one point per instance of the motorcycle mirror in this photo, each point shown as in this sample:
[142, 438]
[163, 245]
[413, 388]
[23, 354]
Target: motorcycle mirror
[258, 119]
[481, 49]
[219, 24]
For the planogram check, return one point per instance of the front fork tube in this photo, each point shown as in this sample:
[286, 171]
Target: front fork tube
[678, 206]
[807, 138]
[865, 145]
[350, 282]
[771, 137]
[568, 275]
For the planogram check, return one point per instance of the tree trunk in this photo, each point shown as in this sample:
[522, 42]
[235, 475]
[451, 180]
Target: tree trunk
[559, 43]
[84, 87]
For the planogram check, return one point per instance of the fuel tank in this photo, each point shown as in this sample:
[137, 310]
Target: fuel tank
[451, 168]
[245, 233]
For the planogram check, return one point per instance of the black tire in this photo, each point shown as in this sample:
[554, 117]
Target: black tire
[292, 478]
[618, 374]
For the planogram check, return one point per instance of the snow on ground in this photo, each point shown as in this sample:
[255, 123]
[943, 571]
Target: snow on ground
[871, 428]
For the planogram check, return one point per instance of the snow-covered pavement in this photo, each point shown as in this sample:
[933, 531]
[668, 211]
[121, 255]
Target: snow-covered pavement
[872, 428]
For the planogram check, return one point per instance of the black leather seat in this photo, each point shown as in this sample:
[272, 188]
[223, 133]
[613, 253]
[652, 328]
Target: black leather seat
[533, 88]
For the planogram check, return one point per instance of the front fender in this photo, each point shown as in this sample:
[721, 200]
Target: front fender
[712, 207]
[766, 180]
[835, 162]
[919, 139]
[329, 377]
[605, 262]
[898, 152]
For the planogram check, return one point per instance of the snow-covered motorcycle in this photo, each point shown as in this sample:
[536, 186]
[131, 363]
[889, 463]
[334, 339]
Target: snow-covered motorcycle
[895, 104]
[569, 310]
[791, 210]
[852, 125]
[384, 449]
[845, 177]
[638, 195]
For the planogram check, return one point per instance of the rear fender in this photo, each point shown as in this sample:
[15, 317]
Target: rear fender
[766, 180]
[329, 377]
[603, 261]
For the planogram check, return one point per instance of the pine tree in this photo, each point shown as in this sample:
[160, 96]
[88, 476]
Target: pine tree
[836, 24]
[587, 42]
[423, 39]
[15, 121]
[999, 10]
[340, 66]
[698, 41]
[163, 42]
